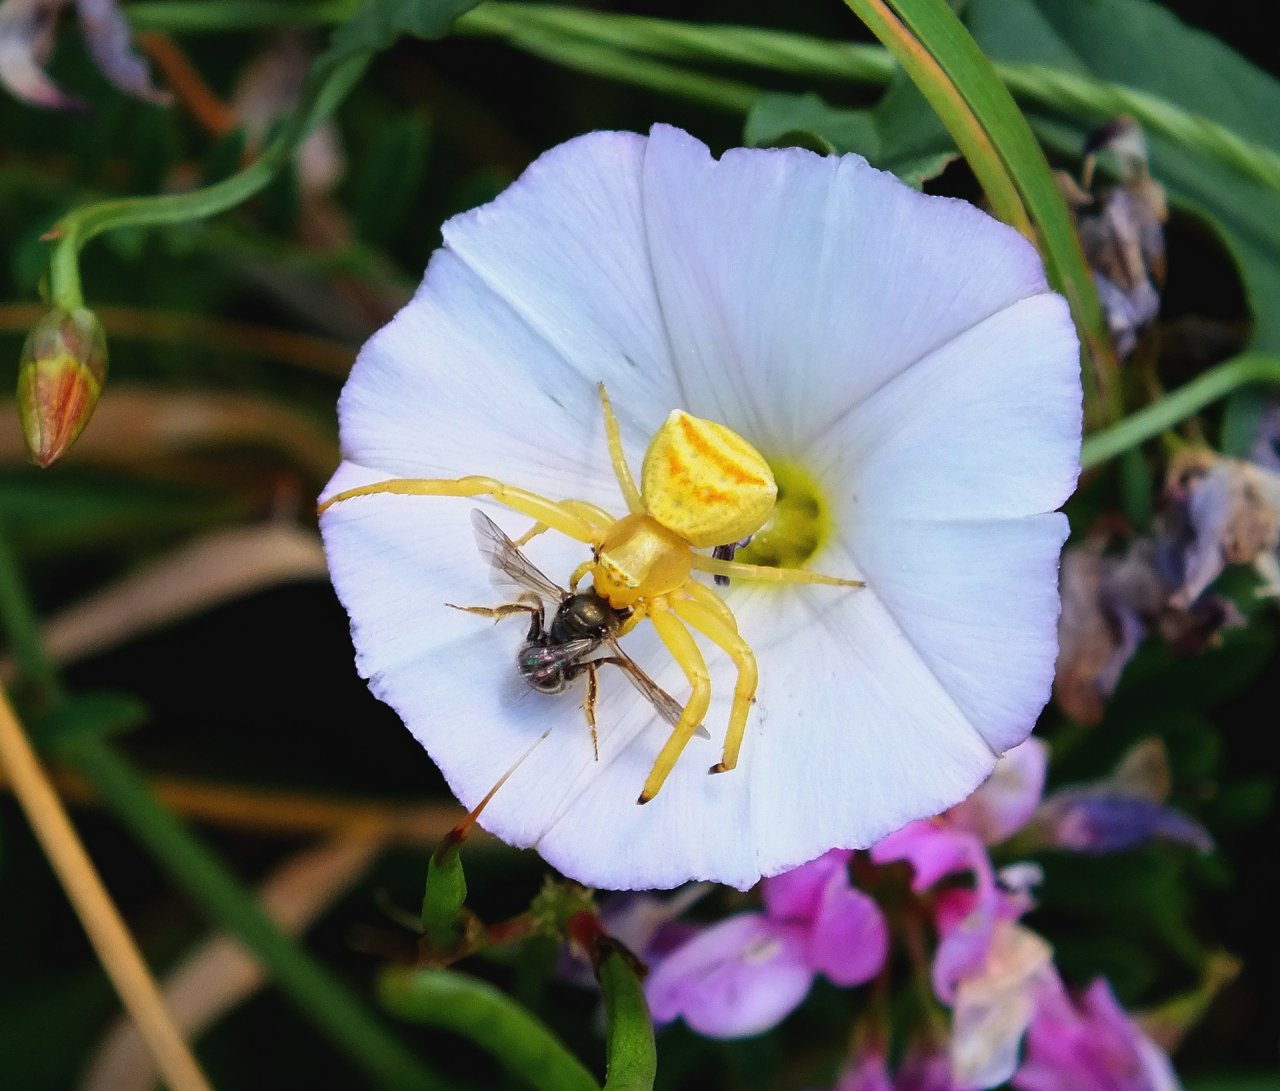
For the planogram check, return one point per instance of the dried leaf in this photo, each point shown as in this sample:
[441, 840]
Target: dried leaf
[1122, 233]
[1223, 511]
[1110, 603]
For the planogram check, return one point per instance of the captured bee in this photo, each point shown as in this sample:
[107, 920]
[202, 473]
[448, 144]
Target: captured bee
[553, 656]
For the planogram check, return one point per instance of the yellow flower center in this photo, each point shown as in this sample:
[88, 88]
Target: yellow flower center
[799, 526]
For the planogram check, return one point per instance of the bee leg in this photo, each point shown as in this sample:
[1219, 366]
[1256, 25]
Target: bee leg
[589, 705]
[506, 610]
[589, 698]
[684, 650]
[711, 622]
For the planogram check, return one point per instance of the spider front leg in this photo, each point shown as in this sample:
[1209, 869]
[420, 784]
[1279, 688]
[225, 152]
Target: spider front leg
[553, 513]
[711, 623]
[684, 650]
[592, 513]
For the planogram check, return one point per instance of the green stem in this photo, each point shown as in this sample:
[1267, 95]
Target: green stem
[326, 84]
[940, 89]
[602, 59]
[487, 1016]
[779, 51]
[200, 16]
[319, 994]
[1177, 406]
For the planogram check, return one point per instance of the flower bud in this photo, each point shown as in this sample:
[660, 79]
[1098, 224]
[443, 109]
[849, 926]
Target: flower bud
[60, 376]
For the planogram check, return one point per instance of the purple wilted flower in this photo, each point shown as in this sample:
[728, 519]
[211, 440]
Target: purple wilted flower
[1121, 811]
[898, 355]
[745, 974]
[27, 29]
[1090, 1043]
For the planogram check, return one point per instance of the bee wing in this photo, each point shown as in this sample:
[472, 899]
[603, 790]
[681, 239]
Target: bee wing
[507, 561]
[668, 707]
[539, 665]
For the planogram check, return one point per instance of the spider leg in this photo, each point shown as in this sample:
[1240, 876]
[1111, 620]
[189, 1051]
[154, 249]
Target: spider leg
[555, 514]
[711, 624]
[763, 573]
[621, 470]
[597, 516]
[684, 650]
[702, 594]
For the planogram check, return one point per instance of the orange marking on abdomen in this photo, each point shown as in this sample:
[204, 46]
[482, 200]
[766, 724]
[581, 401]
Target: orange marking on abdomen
[731, 469]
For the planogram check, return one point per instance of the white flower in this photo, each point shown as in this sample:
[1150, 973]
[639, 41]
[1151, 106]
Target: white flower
[898, 355]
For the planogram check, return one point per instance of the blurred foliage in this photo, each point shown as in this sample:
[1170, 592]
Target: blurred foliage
[229, 340]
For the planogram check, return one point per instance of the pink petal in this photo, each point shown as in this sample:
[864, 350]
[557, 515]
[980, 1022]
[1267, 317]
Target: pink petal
[1008, 798]
[796, 895]
[740, 977]
[848, 941]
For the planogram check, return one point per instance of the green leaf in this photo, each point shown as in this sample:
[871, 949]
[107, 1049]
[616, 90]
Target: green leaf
[489, 1018]
[377, 24]
[900, 134]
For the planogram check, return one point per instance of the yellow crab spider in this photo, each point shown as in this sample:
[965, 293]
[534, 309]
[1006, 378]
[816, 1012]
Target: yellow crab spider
[701, 485]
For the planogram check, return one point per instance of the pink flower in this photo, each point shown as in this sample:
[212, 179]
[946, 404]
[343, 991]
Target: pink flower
[957, 842]
[1090, 1043]
[745, 974]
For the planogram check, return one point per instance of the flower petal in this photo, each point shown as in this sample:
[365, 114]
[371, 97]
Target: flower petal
[565, 247]
[985, 427]
[740, 977]
[797, 895]
[978, 604]
[848, 940]
[993, 1008]
[794, 285]
[106, 33]
[1007, 798]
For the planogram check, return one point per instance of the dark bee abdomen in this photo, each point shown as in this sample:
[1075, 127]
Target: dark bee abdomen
[542, 668]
